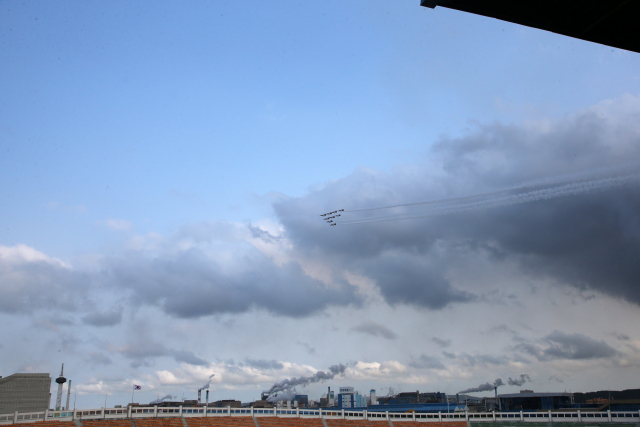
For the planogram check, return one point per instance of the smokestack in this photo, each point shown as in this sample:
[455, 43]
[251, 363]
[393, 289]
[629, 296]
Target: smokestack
[457, 398]
[207, 397]
[68, 394]
[199, 396]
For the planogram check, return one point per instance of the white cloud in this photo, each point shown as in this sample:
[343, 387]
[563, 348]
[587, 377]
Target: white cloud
[119, 224]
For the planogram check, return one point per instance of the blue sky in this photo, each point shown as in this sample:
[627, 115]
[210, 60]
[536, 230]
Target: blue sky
[127, 124]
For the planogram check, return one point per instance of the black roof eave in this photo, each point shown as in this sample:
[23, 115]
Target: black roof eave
[608, 22]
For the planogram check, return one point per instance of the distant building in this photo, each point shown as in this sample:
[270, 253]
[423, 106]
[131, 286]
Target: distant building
[262, 404]
[302, 399]
[621, 405]
[527, 400]
[25, 393]
[348, 398]
[224, 403]
[597, 401]
[414, 397]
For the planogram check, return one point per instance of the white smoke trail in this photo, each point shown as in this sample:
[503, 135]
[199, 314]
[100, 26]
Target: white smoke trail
[484, 387]
[287, 387]
[206, 386]
[559, 179]
[570, 189]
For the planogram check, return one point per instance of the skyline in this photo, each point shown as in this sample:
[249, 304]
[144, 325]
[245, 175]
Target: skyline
[164, 167]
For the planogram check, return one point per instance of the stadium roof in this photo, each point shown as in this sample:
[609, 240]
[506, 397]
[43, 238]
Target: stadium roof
[609, 22]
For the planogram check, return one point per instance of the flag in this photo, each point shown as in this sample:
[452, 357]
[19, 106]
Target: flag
[137, 387]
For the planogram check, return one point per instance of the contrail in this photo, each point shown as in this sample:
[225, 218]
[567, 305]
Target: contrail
[566, 178]
[569, 189]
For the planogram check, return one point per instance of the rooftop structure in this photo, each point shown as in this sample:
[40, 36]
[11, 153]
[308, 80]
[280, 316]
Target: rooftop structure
[609, 22]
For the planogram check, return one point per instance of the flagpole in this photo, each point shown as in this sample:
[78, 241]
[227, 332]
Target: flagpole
[134, 389]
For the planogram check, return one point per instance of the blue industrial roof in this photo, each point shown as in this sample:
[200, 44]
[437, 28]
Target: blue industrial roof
[419, 407]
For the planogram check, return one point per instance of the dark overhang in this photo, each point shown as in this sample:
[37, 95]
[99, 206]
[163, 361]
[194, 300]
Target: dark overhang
[613, 23]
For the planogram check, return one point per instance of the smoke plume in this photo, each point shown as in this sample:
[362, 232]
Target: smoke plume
[285, 389]
[162, 399]
[523, 379]
[484, 387]
[206, 386]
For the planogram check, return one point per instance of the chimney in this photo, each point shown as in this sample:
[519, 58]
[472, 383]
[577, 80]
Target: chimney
[68, 394]
[199, 396]
[457, 398]
[207, 397]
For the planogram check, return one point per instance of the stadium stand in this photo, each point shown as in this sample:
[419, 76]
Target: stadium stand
[431, 424]
[45, 423]
[106, 423]
[218, 422]
[289, 422]
[156, 422]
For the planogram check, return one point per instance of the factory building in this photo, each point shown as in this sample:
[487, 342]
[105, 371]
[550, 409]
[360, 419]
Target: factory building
[302, 399]
[348, 398]
[527, 400]
[25, 393]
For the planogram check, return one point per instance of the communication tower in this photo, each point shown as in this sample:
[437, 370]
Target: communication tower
[60, 380]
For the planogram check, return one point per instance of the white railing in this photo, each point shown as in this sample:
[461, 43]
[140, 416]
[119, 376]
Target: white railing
[187, 412]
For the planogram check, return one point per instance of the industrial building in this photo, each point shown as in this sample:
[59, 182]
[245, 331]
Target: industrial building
[25, 393]
[348, 398]
[527, 400]
[413, 397]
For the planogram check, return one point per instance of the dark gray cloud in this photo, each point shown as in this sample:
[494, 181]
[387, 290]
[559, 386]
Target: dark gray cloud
[95, 358]
[100, 319]
[376, 330]
[560, 345]
[191, 283]
[428, 362]
[310, 350]
[477, 359]
[441, 342]
[263, 364]
[31, 282]
[143, 351]
[586, 239]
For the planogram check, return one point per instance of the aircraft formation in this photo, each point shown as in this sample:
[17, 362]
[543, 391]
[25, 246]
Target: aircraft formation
[330, 218]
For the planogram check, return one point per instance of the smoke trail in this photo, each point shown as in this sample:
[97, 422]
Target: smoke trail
[287, 387]
[167, 397]
[523, 379]
[560, 179]
[206, 386]
[571, 189]
[484, 387]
